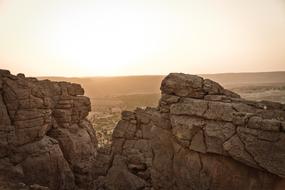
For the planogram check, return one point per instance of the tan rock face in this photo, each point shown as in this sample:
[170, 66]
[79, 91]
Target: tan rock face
[44, 136]
[200, 137]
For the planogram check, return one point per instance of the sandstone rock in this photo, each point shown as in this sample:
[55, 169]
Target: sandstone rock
[44, 137]
[216, 134]
[191, 107]
[78, 149]
[183, 85]
[120, 179]
[201, 137]
[43, 163]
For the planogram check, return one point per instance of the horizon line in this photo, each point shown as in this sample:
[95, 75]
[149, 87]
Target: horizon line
[155, 75]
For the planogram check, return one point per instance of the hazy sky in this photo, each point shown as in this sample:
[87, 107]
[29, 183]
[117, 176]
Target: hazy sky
[137, 37]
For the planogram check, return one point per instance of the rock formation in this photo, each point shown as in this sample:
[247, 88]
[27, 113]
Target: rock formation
[200, 137]
[44, 136]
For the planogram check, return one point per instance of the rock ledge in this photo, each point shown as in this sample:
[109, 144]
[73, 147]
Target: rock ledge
[200, 137]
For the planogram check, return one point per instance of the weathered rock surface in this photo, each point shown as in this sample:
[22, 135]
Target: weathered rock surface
[45, 138]
[200, 137]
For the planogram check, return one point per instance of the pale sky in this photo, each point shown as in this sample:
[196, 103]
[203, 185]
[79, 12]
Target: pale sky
[141, 37]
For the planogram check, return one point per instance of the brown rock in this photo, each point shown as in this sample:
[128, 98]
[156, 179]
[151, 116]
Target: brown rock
[201, 137]
[43, 132]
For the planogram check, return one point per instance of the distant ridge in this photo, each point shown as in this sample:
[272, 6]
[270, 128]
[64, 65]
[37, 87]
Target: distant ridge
[97, 87]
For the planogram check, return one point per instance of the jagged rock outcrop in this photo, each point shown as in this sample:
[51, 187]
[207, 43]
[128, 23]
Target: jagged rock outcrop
[200, 137]
[45, 138]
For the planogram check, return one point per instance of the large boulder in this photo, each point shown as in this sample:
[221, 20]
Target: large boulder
[45, 138]
[200, 137]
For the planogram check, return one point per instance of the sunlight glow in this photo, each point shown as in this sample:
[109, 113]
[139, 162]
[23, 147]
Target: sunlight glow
[137, 37]
[113, 40]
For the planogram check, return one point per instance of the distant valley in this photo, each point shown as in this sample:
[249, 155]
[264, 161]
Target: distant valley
[255, 86]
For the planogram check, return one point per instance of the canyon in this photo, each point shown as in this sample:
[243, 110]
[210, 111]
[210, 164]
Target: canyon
[200, 137]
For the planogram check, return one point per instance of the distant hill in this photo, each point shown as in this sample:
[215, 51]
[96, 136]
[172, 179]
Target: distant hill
[99, 87]
[230, 80]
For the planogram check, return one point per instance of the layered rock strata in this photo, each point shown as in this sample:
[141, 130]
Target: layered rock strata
[45, 138]
[200, 137]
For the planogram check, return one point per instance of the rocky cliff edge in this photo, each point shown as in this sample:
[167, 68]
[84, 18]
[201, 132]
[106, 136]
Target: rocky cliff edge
[44, 135]
[200, 137]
